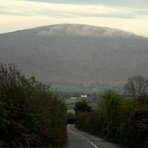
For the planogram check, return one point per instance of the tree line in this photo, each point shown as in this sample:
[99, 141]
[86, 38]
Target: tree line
[122, 119]
[30, 116]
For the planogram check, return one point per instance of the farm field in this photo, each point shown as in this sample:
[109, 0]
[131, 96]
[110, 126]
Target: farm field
[70, 103]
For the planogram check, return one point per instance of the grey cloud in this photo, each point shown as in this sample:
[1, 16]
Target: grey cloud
[77, 14]
[59, 14]
[12, 11]
[123, 13]
[141, 11]
[115, 15]
[135, 7]
[127, 3]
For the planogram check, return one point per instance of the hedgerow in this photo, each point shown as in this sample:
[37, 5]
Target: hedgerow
[30, 116]
[118, 120]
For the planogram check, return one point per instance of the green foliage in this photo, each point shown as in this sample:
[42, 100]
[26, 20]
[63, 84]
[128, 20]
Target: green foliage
[112, 106]
[117, 120]
[81, 106]
[30, 116]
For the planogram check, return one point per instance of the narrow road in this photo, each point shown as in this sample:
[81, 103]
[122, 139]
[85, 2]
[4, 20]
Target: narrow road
[78, 139]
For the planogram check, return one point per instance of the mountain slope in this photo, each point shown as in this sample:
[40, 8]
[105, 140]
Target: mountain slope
[76, 54]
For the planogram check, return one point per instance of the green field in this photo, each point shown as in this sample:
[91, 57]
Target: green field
[71, 103]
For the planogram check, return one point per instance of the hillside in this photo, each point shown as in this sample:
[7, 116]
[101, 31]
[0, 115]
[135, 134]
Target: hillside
[76, 54]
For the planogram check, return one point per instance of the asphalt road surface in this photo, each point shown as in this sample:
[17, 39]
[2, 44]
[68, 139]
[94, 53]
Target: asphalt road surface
[78, 139]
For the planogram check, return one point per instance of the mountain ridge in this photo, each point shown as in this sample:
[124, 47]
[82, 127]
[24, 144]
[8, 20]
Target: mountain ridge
[76, 54]
[93, 27]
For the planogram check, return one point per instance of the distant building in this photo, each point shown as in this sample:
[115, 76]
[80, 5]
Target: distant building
[84, 96]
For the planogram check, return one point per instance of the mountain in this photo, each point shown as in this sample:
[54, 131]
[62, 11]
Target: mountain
[76, 54]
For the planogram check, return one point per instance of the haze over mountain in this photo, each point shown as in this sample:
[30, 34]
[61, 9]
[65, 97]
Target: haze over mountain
[76, 54]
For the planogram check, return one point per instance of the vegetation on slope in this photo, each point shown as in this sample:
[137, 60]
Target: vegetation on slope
[83, 55]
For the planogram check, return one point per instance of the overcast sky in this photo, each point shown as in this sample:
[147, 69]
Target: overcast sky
[128, 15]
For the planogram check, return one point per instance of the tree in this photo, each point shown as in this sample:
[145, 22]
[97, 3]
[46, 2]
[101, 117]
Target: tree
[30, 115]
[81, 106]
[137, 86]
[112, 107]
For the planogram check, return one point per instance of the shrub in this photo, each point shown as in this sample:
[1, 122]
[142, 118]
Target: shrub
[117, 120]
[30, 116]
